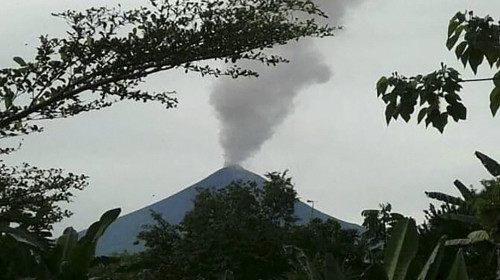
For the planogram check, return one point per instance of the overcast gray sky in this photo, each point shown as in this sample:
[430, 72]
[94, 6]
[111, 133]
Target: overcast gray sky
[333, 137]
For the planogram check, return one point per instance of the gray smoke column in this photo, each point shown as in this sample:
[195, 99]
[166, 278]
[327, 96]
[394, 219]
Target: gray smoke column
[250, 109]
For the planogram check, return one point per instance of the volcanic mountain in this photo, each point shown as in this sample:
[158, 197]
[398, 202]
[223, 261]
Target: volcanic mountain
[121, 235]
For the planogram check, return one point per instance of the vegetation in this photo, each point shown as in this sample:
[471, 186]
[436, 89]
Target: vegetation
[437, 94]
[241, 231]
[27, 256]
[106, 54]
[230, 234]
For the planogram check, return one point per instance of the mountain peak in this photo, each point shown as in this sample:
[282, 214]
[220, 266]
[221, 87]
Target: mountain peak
[227, 174]
[122, 234]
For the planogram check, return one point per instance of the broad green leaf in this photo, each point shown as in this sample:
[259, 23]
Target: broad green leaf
[457, 111]
[459, 242]
[458, 270]
[97, 229]
[459, 50]
[84, 251]
[478, 236]
[67, 242]
[421, 114]
[475, 59]
[19, 61]
[492, 55]
[467, 194]
[473, 237]
[465, 56]
[431, 267]
[401, 249]
[453, 39]
[495, 100]
[460, 217]
[446, 198]
[452, 26]
[389, 112]
[490, 164]
[440, 121]
[382, 85]
[496, 79]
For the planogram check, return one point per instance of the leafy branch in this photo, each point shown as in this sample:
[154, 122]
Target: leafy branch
[108, 52]
[437, 93]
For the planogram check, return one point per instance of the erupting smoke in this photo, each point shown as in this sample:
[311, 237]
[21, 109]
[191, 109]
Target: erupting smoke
[251, 109]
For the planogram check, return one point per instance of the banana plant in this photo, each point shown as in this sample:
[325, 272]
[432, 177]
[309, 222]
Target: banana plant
[401, 250]
[35, 257]
[304, 270]
[72, 256]
[482, 209]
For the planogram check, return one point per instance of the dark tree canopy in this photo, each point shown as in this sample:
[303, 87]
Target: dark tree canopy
[242, 230]
[108, 52]
[229, 229]
[105, 55]
[32, 197]
[436, 95]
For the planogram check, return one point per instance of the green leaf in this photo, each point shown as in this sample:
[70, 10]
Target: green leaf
[431, 267]
[475, 59]
[84, 251]
[495, 100]
[446, 198]
[97, 229]
[452, 40]
[67, 241]
[382, 85]
[478, 236]
[19, 61]
[459, 242]
[459, 50]
[496, 79]
[490, 164]
[458, 270]
[440, 121]
[492, 55]
[465, 56]
[389, 112]
[401, 249]
[457, 111]
[467, 194]
[467, 219]
[452, 26]
[421, 114]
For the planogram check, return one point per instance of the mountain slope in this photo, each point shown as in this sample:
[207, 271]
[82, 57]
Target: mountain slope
[121, 235]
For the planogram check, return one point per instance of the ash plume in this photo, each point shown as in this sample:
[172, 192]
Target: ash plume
[251, 109]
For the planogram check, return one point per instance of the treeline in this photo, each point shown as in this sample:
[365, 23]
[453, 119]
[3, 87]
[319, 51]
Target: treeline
[246, 232]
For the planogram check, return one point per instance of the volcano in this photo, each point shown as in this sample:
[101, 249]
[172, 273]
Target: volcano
[121, 235]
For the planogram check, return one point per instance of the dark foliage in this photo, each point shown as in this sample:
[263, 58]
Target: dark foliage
[437, 93]
[108, 52]
[31, 197]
